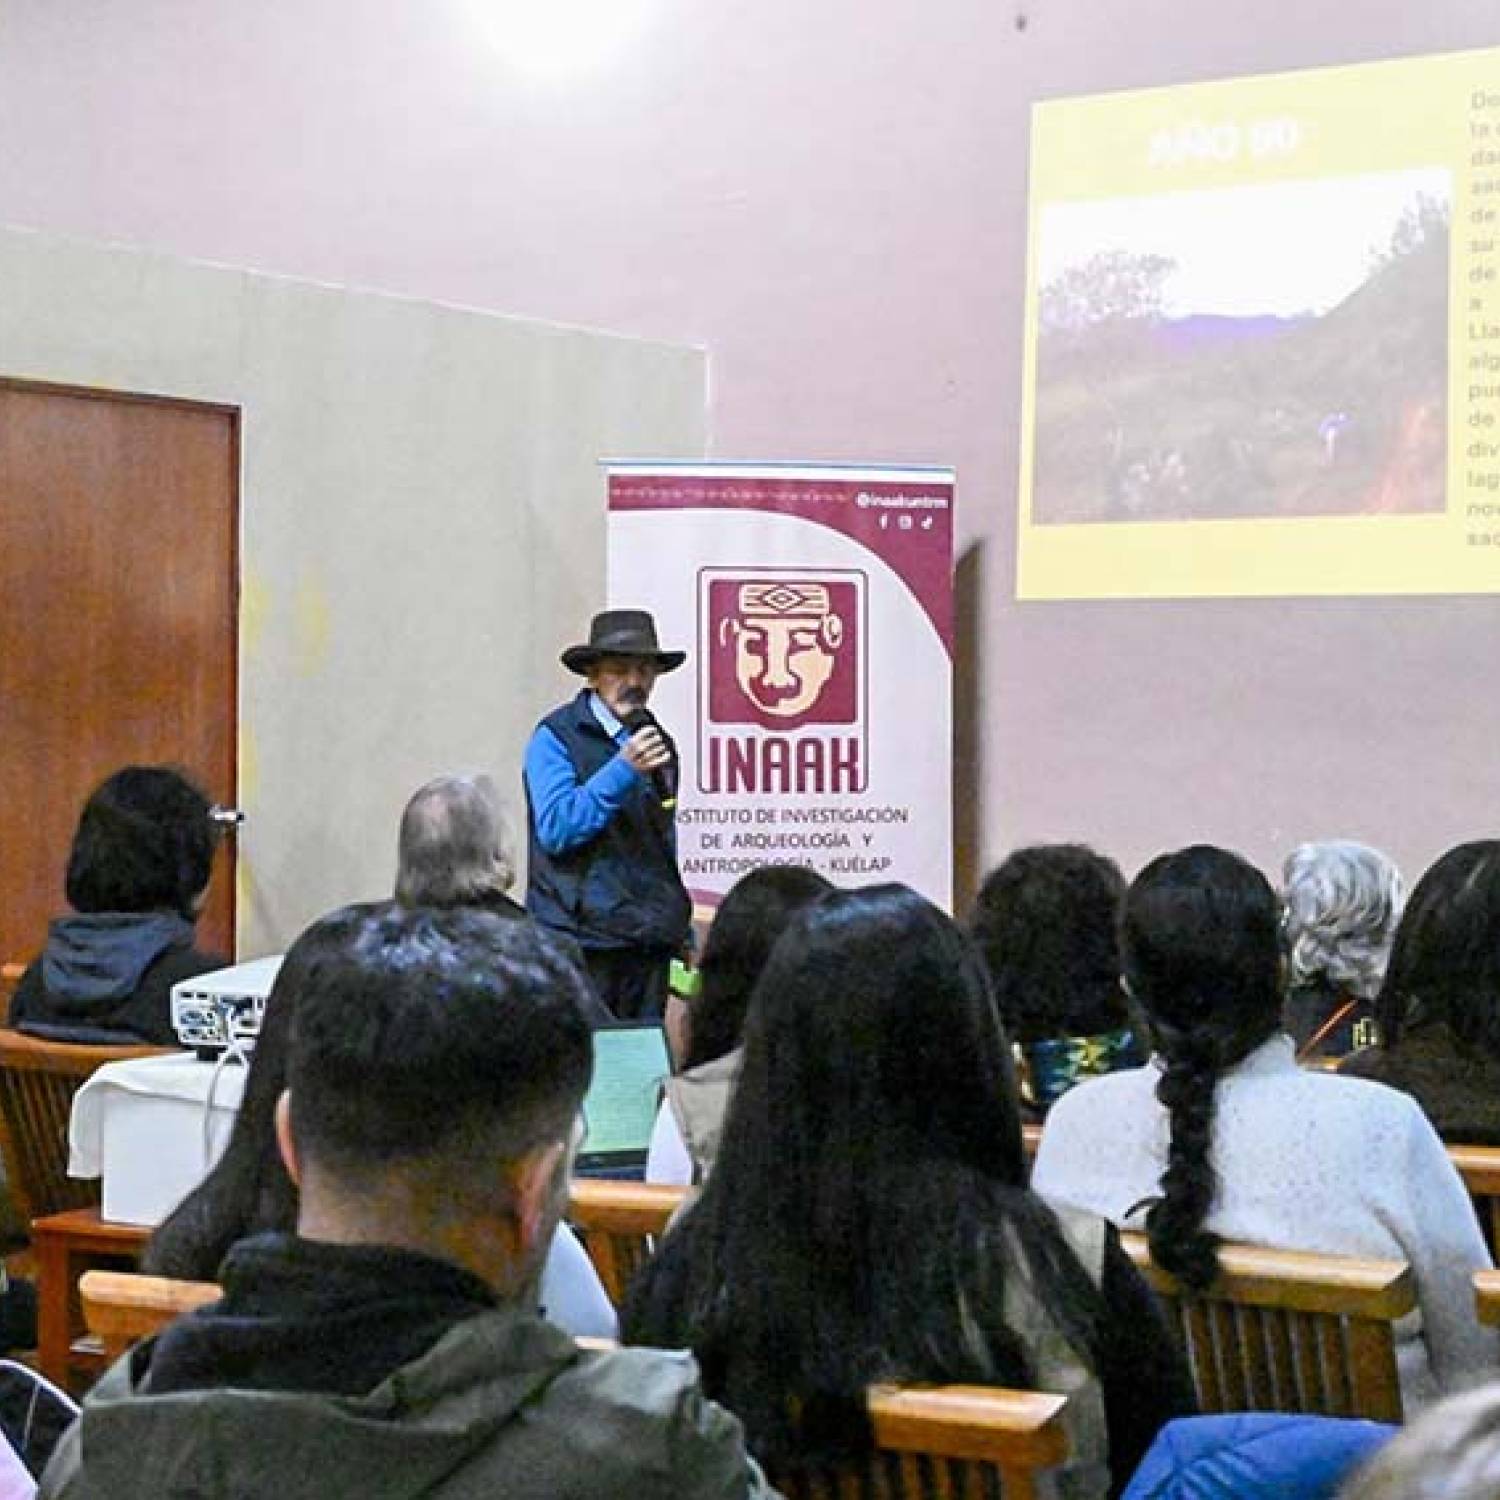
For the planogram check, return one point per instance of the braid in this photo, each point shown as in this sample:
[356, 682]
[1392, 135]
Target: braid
[1200, 940]
[1174, 1226]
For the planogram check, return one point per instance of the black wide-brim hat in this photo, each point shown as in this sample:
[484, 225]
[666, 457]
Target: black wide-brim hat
[621, 632]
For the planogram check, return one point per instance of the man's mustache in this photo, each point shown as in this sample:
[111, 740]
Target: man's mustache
[633, 697]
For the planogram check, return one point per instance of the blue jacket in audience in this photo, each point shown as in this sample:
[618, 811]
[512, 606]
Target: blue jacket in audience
[1255, 1454]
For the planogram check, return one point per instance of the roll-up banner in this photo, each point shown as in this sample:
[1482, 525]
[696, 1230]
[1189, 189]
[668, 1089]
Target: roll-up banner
[813, 719]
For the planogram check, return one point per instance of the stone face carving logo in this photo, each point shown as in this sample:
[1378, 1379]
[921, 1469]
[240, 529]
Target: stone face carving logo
[782, 651]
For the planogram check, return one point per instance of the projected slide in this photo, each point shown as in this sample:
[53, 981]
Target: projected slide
[1263, 337]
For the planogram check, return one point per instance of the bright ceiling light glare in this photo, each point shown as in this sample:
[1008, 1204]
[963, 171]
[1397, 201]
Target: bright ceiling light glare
[560, 37]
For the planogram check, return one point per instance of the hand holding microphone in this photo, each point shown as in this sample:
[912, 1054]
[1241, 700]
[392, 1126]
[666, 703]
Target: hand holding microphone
[651, 752]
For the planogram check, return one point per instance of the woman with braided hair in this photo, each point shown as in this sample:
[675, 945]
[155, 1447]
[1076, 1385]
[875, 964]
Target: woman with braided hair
[1221, 1136]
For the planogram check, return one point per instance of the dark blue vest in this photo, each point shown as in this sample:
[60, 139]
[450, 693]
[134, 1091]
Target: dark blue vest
[622, 888]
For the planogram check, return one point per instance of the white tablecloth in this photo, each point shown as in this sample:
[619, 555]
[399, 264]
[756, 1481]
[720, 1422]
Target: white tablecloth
[141, 1125]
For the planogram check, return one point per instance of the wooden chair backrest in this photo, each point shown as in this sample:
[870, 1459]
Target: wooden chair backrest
[121, 1308]
[37, 1082]
[10, 977]
[967, 1442]
[1487, 1297]
[1283, 1330]
[1479, 1166]
[619, 1224]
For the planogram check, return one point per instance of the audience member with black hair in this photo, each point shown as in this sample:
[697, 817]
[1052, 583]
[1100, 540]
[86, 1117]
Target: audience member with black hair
[1343, 901]
[867, 1218]
[1222, 1135]
[249, 1192]
[1438, 1013]
[752, 916]
[137, 873]
[1045, 922]
[391, 1345]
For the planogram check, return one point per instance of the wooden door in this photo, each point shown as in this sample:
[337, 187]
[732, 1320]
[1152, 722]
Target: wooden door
[118, 604]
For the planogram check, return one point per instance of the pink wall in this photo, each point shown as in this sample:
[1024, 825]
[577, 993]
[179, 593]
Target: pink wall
[829, 195]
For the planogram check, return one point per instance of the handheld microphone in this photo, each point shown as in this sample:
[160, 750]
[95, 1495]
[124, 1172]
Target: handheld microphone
[664, 778]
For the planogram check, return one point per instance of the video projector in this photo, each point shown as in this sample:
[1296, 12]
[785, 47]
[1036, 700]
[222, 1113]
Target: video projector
[212, 1012]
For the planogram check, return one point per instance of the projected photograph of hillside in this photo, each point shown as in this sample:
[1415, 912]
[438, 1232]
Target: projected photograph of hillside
[1276, 350]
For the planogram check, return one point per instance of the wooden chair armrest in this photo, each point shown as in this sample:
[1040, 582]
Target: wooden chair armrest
[120, 1308]
[623, 1207]
[983, 1424]
[71, 1059]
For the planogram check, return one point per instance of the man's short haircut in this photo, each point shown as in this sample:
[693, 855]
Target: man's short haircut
[426, 1031]
[453, 848]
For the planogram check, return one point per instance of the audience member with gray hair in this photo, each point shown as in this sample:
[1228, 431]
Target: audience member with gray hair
[1343, 901]
[454, 849]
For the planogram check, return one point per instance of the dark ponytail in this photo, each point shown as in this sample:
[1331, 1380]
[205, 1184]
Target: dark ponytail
[1200, 941]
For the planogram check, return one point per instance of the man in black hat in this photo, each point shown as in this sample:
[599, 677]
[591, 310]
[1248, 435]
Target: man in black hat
[603, 847]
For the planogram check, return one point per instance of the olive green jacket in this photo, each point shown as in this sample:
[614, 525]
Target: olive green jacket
[504, 1404]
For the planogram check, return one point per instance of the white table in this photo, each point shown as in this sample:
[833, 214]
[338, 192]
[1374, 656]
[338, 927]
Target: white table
[146, 1126]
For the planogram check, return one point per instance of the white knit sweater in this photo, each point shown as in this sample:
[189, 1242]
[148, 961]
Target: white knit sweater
[1305, 1161]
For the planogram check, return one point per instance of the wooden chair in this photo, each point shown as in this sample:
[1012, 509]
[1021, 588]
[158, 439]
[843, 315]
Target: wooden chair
[1288, 1331]
[1479, 1166]
[959, 1442]
[10, 977]
[37, 1082]
[121, 1309]
[619, 1224]
[1487, 1297]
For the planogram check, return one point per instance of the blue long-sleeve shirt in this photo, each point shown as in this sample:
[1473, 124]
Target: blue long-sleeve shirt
[568, 812]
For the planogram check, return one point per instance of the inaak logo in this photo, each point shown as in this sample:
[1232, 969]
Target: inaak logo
[783, 653]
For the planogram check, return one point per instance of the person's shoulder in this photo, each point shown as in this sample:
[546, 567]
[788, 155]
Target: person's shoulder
[1359, 1111]
[653, 1402]
[1354, 1093]
[184, 963]
[1112, 1107]
[147, 1013]
[651, 1381]
[1106, 1092]
[571, 710]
